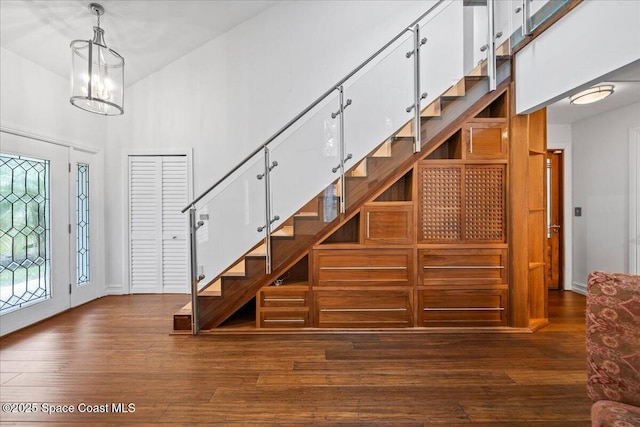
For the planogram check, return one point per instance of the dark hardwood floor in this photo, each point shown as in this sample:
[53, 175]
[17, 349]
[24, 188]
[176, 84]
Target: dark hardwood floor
[118, 350]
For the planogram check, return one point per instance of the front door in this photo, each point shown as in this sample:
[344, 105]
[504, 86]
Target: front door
[34, 231]
[554, 219]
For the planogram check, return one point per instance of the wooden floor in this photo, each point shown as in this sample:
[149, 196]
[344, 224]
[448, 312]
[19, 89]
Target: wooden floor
[118, 350]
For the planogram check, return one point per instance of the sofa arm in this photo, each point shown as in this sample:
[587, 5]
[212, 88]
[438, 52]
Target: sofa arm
[613, 337]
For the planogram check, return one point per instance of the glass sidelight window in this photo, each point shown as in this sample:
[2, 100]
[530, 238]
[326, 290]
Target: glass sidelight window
[83, 275]
[24, 232]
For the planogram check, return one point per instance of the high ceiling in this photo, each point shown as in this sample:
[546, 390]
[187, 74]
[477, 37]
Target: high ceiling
[152, 34]
[148, 34]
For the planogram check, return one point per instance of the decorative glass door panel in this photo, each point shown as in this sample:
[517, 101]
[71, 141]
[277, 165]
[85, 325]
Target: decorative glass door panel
[24, 232]
[34, 231]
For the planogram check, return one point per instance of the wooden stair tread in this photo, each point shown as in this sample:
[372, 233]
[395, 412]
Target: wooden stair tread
[384, 150]
[306, 214]
[432, 110]
[184, 311]
[360, 169]
[480, 70]
[406, 131]
[259, 251]
[236, 271]
[504, 50]
[286, 231]
[455, 91]
[212, 290]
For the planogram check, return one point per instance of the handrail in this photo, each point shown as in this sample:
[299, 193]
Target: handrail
[311, 106]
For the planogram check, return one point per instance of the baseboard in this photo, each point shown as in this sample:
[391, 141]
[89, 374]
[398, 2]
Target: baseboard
[579, 288]
[114, 289]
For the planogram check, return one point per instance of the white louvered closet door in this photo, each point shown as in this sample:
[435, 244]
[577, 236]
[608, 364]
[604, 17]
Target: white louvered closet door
[158, 190]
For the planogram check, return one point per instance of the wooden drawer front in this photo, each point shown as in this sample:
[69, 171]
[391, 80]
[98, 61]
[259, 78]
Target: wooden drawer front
[284, 319]
[363, 309]
[283, 297]
[462, 266]
[388, 223]
[468, 308]
[363, 267]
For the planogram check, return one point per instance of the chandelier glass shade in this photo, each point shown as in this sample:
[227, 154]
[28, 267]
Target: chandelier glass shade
[97, 73]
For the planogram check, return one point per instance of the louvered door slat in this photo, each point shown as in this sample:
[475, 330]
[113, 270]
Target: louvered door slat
[144, 217]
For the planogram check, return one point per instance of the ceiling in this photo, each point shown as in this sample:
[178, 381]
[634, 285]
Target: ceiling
[152, 34]
[627, 91]
[148, 34]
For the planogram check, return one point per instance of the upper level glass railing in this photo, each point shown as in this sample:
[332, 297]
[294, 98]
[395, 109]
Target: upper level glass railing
[529, 15]
[309, 168]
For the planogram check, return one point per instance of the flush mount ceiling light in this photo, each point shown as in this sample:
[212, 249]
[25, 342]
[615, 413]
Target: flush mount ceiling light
[593, 94]
[97, 73]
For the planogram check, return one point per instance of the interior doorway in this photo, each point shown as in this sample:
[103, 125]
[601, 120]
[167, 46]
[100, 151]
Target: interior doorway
[555, 220]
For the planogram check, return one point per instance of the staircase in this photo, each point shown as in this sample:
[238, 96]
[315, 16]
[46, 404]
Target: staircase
[365, 181]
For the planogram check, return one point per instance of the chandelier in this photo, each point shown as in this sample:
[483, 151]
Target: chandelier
[97, 73]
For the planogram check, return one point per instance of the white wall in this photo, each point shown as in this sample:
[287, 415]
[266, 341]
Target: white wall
[601, 187]
[36, 101]
[227, 97]
[595, 38]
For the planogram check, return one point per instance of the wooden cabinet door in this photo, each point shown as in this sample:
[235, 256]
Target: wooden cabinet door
[388, 223]
[485, 140]
[485, 206]
[460, 202]
[440, 202]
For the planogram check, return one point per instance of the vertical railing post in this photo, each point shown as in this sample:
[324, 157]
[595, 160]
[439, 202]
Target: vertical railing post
[267, 204]
[268, 165]
[491, 52]
[342, 147]
[343, 187]
[193, 227]
[526, 18]
[417, 95]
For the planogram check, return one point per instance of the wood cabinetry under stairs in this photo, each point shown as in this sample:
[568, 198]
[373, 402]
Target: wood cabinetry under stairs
[425, 244]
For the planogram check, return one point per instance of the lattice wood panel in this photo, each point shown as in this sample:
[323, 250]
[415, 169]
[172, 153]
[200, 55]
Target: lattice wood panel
[484, 203]
[441, 204]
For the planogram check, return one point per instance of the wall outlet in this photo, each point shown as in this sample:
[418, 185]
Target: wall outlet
[577, 211]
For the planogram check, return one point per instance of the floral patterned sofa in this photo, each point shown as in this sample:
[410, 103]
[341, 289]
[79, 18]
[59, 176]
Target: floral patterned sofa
[613, 349]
